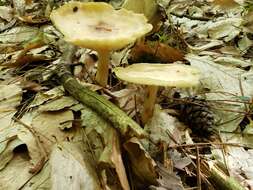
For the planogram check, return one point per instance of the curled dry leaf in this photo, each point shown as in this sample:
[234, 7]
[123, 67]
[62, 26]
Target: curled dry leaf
[142, 164]
[128, 99]
[7, 153]
[19, 165]
[223, 83]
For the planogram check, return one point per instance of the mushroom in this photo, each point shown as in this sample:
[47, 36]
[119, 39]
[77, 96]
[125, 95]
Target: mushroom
[98, 26]
[155, 75]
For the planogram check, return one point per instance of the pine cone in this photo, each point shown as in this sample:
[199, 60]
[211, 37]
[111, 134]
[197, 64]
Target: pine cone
[197, 115]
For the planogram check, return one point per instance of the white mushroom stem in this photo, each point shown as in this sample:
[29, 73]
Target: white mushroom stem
[149, 103]
[103, 67]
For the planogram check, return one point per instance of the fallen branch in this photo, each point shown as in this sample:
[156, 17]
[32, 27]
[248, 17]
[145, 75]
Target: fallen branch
[119, 119]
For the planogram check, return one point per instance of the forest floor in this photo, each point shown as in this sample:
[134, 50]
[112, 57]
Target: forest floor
[57, 136]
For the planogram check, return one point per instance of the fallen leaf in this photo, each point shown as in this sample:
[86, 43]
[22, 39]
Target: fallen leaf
[19, 165]
[226, 29]
[167, 180]
[19, 34]
[223, 83]
[49, 128]
[70, 169]
[226, 4]
[31, 86]
[6, 13]
[7, 154]
[58, 104]
[157, 52]
[142, 164]
[162, 125]
[10, 98]
[108, 151]
[43, 97]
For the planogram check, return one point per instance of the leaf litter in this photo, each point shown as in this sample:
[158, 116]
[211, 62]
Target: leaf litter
[55, 142]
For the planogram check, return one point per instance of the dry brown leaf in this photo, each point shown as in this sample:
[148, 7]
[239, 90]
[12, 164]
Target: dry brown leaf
[128, 99]
[48, 127]
[6, 13]
[249, 20]
[32, 86]
[28, 2]
[158, 52]
[227, 4]
[16, 174]
[43, 97]
[58, 104]
[10, 98]
[112, 154]
[31, 19]
[167, 180]
[22, 58]
[142, 164]
[71, 169]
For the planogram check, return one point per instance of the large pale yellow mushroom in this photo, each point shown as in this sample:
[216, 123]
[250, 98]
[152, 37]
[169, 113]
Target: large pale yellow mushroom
[155, 75]
[98, 26]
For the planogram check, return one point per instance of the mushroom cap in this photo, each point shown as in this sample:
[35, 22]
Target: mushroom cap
[173, 75]
[98, 26]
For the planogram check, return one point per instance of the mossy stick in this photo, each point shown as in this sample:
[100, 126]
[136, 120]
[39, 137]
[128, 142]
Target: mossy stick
[120, 120]
[218, 178]
[223, 181]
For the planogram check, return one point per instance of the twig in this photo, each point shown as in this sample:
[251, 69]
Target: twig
[8, 139]
[186, 154]
[206, 144]
[190, 17]
[198, 168]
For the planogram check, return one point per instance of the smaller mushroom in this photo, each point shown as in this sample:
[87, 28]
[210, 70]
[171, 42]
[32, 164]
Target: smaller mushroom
[155, 75]
[98, 26]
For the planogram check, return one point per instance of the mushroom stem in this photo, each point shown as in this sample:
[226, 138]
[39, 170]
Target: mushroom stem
[149, 103]
[103, 67]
